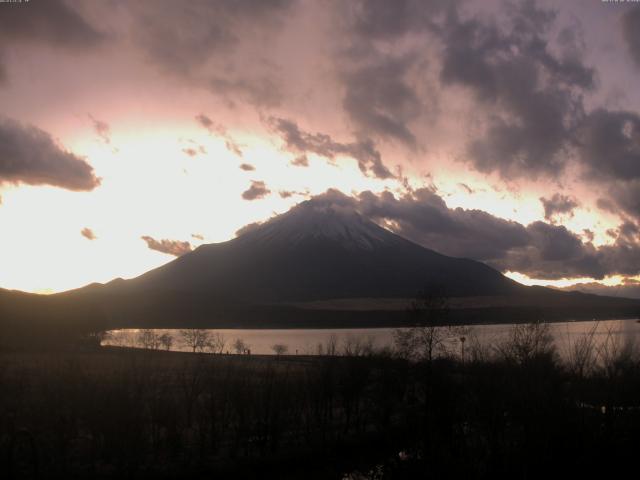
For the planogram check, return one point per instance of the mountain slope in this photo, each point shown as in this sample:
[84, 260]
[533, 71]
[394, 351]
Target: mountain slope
[318, 252]
[318, 265]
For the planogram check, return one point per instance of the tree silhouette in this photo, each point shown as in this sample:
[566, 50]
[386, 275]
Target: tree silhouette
[195, 338]
[280, 349]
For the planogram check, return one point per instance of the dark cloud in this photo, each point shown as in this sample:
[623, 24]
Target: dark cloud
[291, 193]
[468, 189]
[87, 233]
[29, 155]
[380, 101]
[529, 92]
[528, 79]
[628, 289]
[609, 148]
[364, 151]
[102, 129]
[262, 92]
[52, 23]
[199, 29]
[384, 20]
[219, 131]
[623, 257]
[605, 204]
[256, 191]
[532, 97]
[631, 33]
[528, 87]
[300, 161]
[627, 197]
[206, 122]
[3, 73]
[558, 205]
[588, 234]
[628, 230]
[423, 216]
[553, 252]
[171, 247]
[380, 76]
[247, 167]
[205, 36]
[539, 250]
[195, 31]
[609, 144]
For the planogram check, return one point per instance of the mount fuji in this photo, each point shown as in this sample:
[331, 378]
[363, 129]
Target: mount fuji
[321, 251]
[321, 264]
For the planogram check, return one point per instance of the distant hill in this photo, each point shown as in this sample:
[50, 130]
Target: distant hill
[317, 265]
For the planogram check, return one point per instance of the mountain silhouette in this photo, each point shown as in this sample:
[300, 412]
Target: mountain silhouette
[321, 264]
[321, 251]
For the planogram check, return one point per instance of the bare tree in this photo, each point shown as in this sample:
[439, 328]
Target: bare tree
[216, 343]
[239, 346]
[166, 340]
[477, 350]
[615, 353]
[195, 338]
[120, 338]
[149, 339]
[357, 346]
[331, 347]
[581, 353]
[430, 334]
[527, 342]
[280, 349]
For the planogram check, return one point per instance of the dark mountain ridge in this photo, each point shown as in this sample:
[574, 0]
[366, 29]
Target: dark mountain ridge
[294, 271]
[318, 252]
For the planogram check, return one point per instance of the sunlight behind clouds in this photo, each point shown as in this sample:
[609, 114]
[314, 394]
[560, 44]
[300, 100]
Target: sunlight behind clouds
[151, 187]
[354, 92]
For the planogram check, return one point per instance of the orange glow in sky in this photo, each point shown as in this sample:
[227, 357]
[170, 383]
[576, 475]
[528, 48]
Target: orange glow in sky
[194, 135]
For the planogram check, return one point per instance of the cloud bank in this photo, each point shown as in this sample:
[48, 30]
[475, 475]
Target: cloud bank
[30, 156]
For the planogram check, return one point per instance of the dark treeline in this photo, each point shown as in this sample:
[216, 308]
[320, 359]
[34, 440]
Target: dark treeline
[515, 411]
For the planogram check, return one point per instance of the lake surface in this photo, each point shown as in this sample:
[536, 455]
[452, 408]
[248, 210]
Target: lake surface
[315, 341]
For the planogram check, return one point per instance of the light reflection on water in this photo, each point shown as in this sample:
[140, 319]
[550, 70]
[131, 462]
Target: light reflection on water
[307, 341]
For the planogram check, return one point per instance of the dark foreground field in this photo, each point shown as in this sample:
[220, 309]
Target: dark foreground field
[516, 413]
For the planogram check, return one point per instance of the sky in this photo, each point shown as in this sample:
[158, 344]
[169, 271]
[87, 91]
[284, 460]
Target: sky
[506, 132]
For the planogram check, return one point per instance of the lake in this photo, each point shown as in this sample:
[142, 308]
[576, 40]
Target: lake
[315, 341]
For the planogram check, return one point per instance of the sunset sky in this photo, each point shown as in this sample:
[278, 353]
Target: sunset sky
[506, 132]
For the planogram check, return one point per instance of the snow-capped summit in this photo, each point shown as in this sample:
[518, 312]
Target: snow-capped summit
[320, 249]
[280, 273]
[316, 220]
